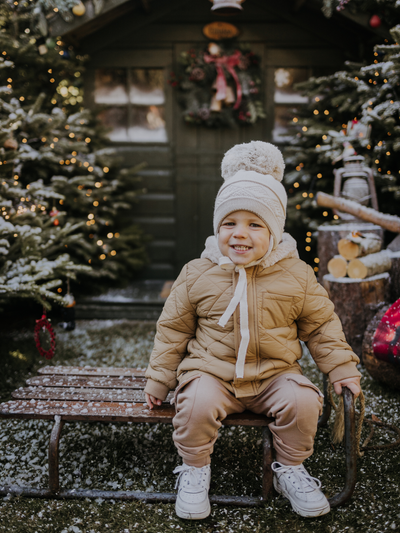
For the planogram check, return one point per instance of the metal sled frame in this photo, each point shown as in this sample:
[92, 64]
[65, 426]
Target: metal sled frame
[84, 385]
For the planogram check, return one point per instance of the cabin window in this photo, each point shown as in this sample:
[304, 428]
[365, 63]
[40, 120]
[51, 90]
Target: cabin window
[131, 104]
[287, 101]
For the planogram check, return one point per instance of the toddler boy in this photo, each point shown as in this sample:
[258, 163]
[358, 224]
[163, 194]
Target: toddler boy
[229, 337]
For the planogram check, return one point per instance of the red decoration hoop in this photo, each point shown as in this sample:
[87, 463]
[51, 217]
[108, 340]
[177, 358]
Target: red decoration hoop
[43, 324]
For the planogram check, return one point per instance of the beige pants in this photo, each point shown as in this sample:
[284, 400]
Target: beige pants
[291, 399]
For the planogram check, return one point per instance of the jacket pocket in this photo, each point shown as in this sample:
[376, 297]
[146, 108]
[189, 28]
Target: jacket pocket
[305, 382]
[276, 310]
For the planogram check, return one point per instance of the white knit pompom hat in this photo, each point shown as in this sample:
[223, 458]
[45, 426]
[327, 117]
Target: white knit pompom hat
[253, 173]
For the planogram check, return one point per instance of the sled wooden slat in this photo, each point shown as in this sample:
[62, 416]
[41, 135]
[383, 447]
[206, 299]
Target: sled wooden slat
[87, 411]
[76, 394]
[90, 371]
[98, 382]
[108, 412]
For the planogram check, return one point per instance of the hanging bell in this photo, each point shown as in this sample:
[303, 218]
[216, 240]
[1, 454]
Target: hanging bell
[215, 105]
[226, 7]
[230, 96]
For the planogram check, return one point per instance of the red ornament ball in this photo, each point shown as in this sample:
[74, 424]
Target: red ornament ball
[375, 21]
[53, 213]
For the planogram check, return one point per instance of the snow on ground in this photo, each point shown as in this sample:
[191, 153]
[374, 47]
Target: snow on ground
[142, 457]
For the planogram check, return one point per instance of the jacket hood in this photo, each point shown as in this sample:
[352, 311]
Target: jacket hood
[286, 248]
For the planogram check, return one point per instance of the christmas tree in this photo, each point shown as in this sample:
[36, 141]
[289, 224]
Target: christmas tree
[59, 180]
[362, 95]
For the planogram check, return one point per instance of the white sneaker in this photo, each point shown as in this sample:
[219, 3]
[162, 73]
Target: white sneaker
[192, 499]
[301, 489]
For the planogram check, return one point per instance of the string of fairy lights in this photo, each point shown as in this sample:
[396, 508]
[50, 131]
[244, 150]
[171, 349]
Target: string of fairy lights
[71, 95]
[64, 90]
[377, 77]
[24, 206]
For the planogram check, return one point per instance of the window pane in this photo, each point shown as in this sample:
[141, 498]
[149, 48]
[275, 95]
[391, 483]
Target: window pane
[285, 79]
[284, 125]
[147, 124]
[133, 104]
[110, 87]
[116, 120]
[147, 87]
[286, 100]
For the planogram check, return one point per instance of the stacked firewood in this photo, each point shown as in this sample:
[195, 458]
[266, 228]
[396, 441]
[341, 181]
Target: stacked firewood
[360, 256]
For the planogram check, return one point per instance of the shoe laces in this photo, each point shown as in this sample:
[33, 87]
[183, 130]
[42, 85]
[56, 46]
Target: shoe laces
[298, 474]
[190, 474]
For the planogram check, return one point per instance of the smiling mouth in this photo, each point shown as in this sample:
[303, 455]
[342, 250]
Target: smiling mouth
[240, 248]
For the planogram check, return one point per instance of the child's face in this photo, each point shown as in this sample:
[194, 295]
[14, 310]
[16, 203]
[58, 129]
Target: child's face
[243, 237]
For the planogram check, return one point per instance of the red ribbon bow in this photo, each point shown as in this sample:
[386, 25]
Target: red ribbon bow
[229, 63]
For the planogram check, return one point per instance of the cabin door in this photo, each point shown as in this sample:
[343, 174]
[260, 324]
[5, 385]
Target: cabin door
[198, 154]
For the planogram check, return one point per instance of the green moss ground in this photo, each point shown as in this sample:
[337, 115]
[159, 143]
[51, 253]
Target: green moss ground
[142, 457]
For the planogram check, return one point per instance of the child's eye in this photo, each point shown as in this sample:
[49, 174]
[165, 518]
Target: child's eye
[255, 225]
[228, 223]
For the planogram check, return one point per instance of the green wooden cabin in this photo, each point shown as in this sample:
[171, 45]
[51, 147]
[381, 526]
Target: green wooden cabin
[134, 45]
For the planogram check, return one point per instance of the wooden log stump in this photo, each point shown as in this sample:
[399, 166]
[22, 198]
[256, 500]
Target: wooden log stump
[359, 246]
[337, 266]
[370, 265]
[379, 370]
[356, 303]
[395, 277]
[394, 246]
[329, 237]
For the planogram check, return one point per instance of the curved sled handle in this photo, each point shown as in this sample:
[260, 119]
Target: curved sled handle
[350, 450]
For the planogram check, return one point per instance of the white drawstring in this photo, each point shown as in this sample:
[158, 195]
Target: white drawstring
[240, 297]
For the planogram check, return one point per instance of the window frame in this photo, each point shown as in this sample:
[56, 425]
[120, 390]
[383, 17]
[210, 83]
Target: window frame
[310, 58]
[132, 59]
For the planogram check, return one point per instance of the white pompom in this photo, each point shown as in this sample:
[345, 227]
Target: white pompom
[262, 157]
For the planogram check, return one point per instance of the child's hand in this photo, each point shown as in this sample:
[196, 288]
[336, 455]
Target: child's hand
[150, 400]
[351, 383]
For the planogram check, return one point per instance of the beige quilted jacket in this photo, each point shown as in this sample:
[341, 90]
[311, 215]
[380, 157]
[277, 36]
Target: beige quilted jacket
[285, 303]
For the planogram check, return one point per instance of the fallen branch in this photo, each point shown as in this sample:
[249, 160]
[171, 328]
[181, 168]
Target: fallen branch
[389, 222]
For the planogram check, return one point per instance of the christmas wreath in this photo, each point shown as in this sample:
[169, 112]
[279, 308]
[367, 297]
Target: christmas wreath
[219, 86]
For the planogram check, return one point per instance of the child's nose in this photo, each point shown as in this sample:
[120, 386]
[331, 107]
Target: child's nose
[240, 231]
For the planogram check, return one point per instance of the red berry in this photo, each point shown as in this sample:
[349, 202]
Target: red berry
[375, 21]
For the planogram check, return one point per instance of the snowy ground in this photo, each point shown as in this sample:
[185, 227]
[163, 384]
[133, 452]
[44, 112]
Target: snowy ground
[142, 457]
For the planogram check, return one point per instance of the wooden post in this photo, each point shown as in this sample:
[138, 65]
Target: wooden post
[356, 302]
